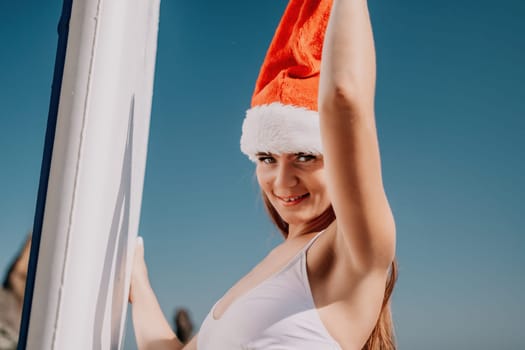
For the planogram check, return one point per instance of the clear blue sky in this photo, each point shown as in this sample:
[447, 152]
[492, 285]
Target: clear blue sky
[451, 118]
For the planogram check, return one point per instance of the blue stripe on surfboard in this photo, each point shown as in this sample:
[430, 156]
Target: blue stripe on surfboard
[63, 31]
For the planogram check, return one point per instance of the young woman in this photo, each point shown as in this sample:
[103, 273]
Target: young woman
[311, 132]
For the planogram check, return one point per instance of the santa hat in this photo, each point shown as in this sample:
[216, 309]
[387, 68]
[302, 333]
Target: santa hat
[283, 117]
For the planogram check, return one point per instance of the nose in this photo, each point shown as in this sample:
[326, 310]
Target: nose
[285, 176]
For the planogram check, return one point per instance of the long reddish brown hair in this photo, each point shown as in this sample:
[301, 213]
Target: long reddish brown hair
[382, 336]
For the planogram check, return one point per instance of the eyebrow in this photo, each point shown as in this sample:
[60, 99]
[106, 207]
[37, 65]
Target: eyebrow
[306, 154]
[269, 154]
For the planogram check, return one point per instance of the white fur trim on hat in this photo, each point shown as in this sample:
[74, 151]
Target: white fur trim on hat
[278, 128]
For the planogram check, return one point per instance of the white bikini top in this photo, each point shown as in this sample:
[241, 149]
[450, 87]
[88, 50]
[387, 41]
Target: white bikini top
[278, 314]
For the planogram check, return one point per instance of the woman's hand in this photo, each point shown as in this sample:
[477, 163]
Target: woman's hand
[152, 330]
[139, 272]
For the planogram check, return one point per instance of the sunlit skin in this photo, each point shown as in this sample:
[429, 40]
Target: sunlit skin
[348, 267]
[295, 185]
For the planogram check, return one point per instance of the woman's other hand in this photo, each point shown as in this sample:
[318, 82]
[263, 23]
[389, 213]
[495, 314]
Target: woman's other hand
[152, 330]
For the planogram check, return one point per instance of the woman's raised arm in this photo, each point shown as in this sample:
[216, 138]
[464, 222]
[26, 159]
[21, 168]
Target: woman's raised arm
[348, 131]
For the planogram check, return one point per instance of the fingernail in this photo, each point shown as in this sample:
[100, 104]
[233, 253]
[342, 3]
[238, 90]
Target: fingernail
[140, 240]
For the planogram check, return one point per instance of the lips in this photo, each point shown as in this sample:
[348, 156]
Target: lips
[292, 200]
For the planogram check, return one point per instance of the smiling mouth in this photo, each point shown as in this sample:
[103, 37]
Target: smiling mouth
[293, 200]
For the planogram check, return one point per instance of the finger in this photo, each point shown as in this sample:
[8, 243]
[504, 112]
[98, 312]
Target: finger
[139, 247]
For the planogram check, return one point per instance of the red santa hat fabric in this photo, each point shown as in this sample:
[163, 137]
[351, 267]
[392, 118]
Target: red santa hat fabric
[283, 117]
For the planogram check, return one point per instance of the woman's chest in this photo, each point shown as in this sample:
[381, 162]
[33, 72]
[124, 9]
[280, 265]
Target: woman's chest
[272, 265]
[276, 314]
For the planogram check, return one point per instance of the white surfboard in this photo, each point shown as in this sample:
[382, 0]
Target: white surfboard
[94, 192]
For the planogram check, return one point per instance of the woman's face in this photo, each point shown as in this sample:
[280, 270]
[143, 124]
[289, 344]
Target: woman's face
[294, 185]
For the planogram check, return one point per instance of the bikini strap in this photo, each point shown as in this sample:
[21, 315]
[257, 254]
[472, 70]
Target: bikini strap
[309, 244]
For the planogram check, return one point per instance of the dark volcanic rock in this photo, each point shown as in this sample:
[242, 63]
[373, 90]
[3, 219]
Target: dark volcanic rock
[183, 325]
[9, 320]
[12, 297]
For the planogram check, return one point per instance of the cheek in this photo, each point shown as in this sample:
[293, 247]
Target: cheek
[262, 177]
[321, 189]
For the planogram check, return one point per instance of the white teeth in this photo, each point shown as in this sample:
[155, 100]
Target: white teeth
[292, 199]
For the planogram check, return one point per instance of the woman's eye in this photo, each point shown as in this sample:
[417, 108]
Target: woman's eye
[305, 157]
[266, 160]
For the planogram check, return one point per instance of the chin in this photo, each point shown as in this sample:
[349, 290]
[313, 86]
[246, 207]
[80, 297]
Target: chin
[298, 219]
